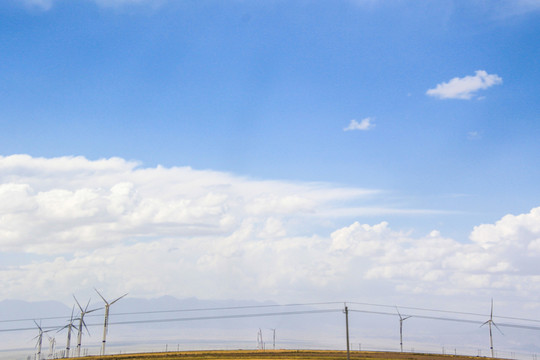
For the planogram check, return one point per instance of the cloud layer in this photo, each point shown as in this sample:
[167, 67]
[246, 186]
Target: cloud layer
[465, 88]
[184, 232]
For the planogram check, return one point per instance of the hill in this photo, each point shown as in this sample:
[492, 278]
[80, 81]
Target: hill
[280, 355]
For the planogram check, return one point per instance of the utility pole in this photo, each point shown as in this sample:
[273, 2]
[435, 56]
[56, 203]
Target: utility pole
[346, 311]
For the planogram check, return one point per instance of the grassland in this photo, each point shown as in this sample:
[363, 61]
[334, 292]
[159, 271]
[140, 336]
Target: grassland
[279, 355]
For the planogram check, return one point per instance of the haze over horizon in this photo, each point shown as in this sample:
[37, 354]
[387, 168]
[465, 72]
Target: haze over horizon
[287, 151]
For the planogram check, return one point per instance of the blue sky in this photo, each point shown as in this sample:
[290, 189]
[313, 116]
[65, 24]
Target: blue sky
[264, 89]
[309, 131]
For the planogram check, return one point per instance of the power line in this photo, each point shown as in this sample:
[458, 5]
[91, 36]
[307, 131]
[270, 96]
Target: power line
[182, 310]
[233, 316]
[228, 316]
[446, 311]
[199, 318]
[518, 326]
[227, 308]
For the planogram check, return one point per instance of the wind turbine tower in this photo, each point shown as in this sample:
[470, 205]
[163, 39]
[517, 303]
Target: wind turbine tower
[401, 320]
[81, 324]
[39, 341]
[489, 323]
[273, 339]
[52, 343]
[69, 326]
[260, 341]
[106, 323]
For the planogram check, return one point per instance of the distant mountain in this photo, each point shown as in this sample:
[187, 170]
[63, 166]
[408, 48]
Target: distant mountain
[11, 310]
[188, 323]
[171, 303]
[163, 313]
[19, 310]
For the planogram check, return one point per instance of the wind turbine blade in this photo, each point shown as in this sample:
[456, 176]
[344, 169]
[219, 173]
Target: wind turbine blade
[87, 305]
[487, 322]
[491, 314]
[63, 327]
[498, 328]
[119, 298]
[398, 313]
[89, 311]
[79, 305]
[101, 296]
[86, 327]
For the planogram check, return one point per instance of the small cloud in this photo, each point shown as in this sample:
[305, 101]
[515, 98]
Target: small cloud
[474, 135]
[465, 87]
[48, 4]
[364, 125]
[39, 4]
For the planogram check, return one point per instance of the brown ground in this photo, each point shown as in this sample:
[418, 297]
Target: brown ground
[280, 355]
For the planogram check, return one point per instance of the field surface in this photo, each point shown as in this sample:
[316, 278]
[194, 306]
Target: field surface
[279, 355]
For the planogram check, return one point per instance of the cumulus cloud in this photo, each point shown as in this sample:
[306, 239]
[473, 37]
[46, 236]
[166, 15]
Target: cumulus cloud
[363, 125]
[178, 231]
[466, 87]
[499, 256]
[73, 203]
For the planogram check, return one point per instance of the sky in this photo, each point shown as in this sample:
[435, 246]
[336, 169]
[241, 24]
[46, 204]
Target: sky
[274, 150]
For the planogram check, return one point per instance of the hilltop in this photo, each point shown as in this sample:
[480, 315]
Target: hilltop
[281, 355]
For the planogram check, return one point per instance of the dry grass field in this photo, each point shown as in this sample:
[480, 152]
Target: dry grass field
[279, 355]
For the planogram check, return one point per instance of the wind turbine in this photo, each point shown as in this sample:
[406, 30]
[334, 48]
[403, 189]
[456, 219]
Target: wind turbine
[52, 343]
[273, 339]
[39, 341]
[401, 320]
[490, 322]
[81, 323]
[260, 342]
[106, 323]
[69, 326]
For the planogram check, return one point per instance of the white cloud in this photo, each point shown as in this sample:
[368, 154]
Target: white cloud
[474, 135]
[465, 87]
[120, 3]
[365, 124]
[48, 4]
[500, 258]
[89, 223]
[39, 4]
[509, 8]
[76, 204]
